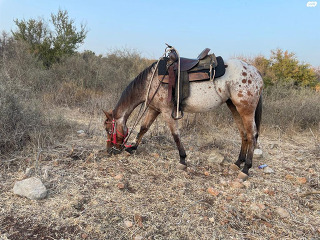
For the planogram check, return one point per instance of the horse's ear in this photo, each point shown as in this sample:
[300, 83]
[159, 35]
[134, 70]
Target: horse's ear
[108, 114]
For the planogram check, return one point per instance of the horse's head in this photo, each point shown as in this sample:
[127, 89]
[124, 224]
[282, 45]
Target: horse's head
[116, 133]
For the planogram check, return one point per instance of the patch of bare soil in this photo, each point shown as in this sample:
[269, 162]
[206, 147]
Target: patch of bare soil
[144, 196]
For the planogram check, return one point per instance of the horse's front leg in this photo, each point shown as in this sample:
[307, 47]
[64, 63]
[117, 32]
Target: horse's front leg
[174, 128]
[148, 120]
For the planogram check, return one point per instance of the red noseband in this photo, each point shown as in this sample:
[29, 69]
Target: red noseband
[114, 132]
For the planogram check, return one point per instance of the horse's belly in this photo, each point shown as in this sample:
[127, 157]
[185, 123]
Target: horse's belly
[203, 97]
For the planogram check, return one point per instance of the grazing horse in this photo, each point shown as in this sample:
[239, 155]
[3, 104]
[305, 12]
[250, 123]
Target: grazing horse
[240, 88]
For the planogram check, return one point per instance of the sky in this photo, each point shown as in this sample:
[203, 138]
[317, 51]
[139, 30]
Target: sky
[229, 28]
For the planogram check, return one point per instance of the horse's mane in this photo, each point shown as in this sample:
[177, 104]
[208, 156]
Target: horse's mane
[135, 87]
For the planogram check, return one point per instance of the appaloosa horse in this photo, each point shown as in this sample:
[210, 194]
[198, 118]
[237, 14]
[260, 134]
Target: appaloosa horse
[240, 88]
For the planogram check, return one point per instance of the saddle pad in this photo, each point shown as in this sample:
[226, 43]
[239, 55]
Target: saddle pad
[220, 69]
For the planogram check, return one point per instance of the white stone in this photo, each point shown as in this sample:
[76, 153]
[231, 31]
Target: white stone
[31, 188]
[258, 153]
[128, 224]
[80, 131]
[283, 213]
[215, 158]
[268, 170]
[138, 237]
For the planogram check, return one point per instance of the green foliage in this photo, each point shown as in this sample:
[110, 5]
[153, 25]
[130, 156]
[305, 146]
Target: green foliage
[50, 46]
[283, 67]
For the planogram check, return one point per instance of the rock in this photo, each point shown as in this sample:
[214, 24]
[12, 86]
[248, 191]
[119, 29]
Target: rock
[84, 235]
[82, 135]
[213, 191]
[155, 155]
[46, 172]
[121, 185]
[236, 184]
[80, 131]
[229, 198]
[301, 180]
[128, 224]
[215, 158]
[4, 237]
[269, 192]
[254, 207]
[212, 219]
[118, 177]
[289, 177]
[31, 188]
[282, 212]
[258, 153]
[138, 220]
[138, 237]
[223, 182]
[261, 206]
[268, 170]
[274, 145]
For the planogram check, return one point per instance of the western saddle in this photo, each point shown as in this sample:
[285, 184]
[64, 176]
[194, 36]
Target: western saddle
[204, 67]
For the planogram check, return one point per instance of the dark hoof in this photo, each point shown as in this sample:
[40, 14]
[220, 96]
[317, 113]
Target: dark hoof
[130, 149]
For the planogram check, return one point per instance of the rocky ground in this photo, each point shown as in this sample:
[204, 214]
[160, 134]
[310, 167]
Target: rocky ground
[91, 195]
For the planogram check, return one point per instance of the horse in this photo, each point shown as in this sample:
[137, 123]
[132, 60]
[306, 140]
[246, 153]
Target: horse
[240, 88]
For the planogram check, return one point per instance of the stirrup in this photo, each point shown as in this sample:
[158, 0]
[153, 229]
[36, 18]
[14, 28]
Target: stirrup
[173, 115]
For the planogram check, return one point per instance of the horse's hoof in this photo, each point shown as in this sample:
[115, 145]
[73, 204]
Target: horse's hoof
[242, 176]
[182, 166]
[129, 150]
[234, 167]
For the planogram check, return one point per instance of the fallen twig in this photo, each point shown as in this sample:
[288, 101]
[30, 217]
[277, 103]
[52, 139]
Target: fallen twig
[309, 193]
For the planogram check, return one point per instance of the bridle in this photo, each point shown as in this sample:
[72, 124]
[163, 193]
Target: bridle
[114, 131]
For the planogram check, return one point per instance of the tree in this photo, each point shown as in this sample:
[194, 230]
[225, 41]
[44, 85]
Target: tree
[48, 45]
[284, 67]
[287, 68]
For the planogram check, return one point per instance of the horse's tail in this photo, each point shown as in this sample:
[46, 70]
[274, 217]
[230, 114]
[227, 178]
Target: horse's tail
[258, 114]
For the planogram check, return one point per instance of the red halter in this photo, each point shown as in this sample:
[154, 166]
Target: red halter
[114, 132]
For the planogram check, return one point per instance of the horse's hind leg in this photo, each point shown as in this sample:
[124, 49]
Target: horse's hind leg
[148, 120]
[251, 130]
[243, 134]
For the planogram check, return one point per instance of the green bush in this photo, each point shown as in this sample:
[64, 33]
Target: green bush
[50, 45]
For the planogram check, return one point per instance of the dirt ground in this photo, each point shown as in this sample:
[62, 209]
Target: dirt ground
[144, 196]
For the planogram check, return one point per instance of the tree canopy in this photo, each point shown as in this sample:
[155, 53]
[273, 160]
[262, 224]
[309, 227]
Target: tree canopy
[51, 45]
[284, 67]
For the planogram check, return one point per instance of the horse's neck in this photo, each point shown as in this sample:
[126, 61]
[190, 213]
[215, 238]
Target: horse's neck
[131, 97]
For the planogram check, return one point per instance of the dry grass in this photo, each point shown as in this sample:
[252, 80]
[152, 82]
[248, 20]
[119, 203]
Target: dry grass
[91, 194]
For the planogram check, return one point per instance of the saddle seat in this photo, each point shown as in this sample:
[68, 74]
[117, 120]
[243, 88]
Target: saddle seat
[188, 63]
